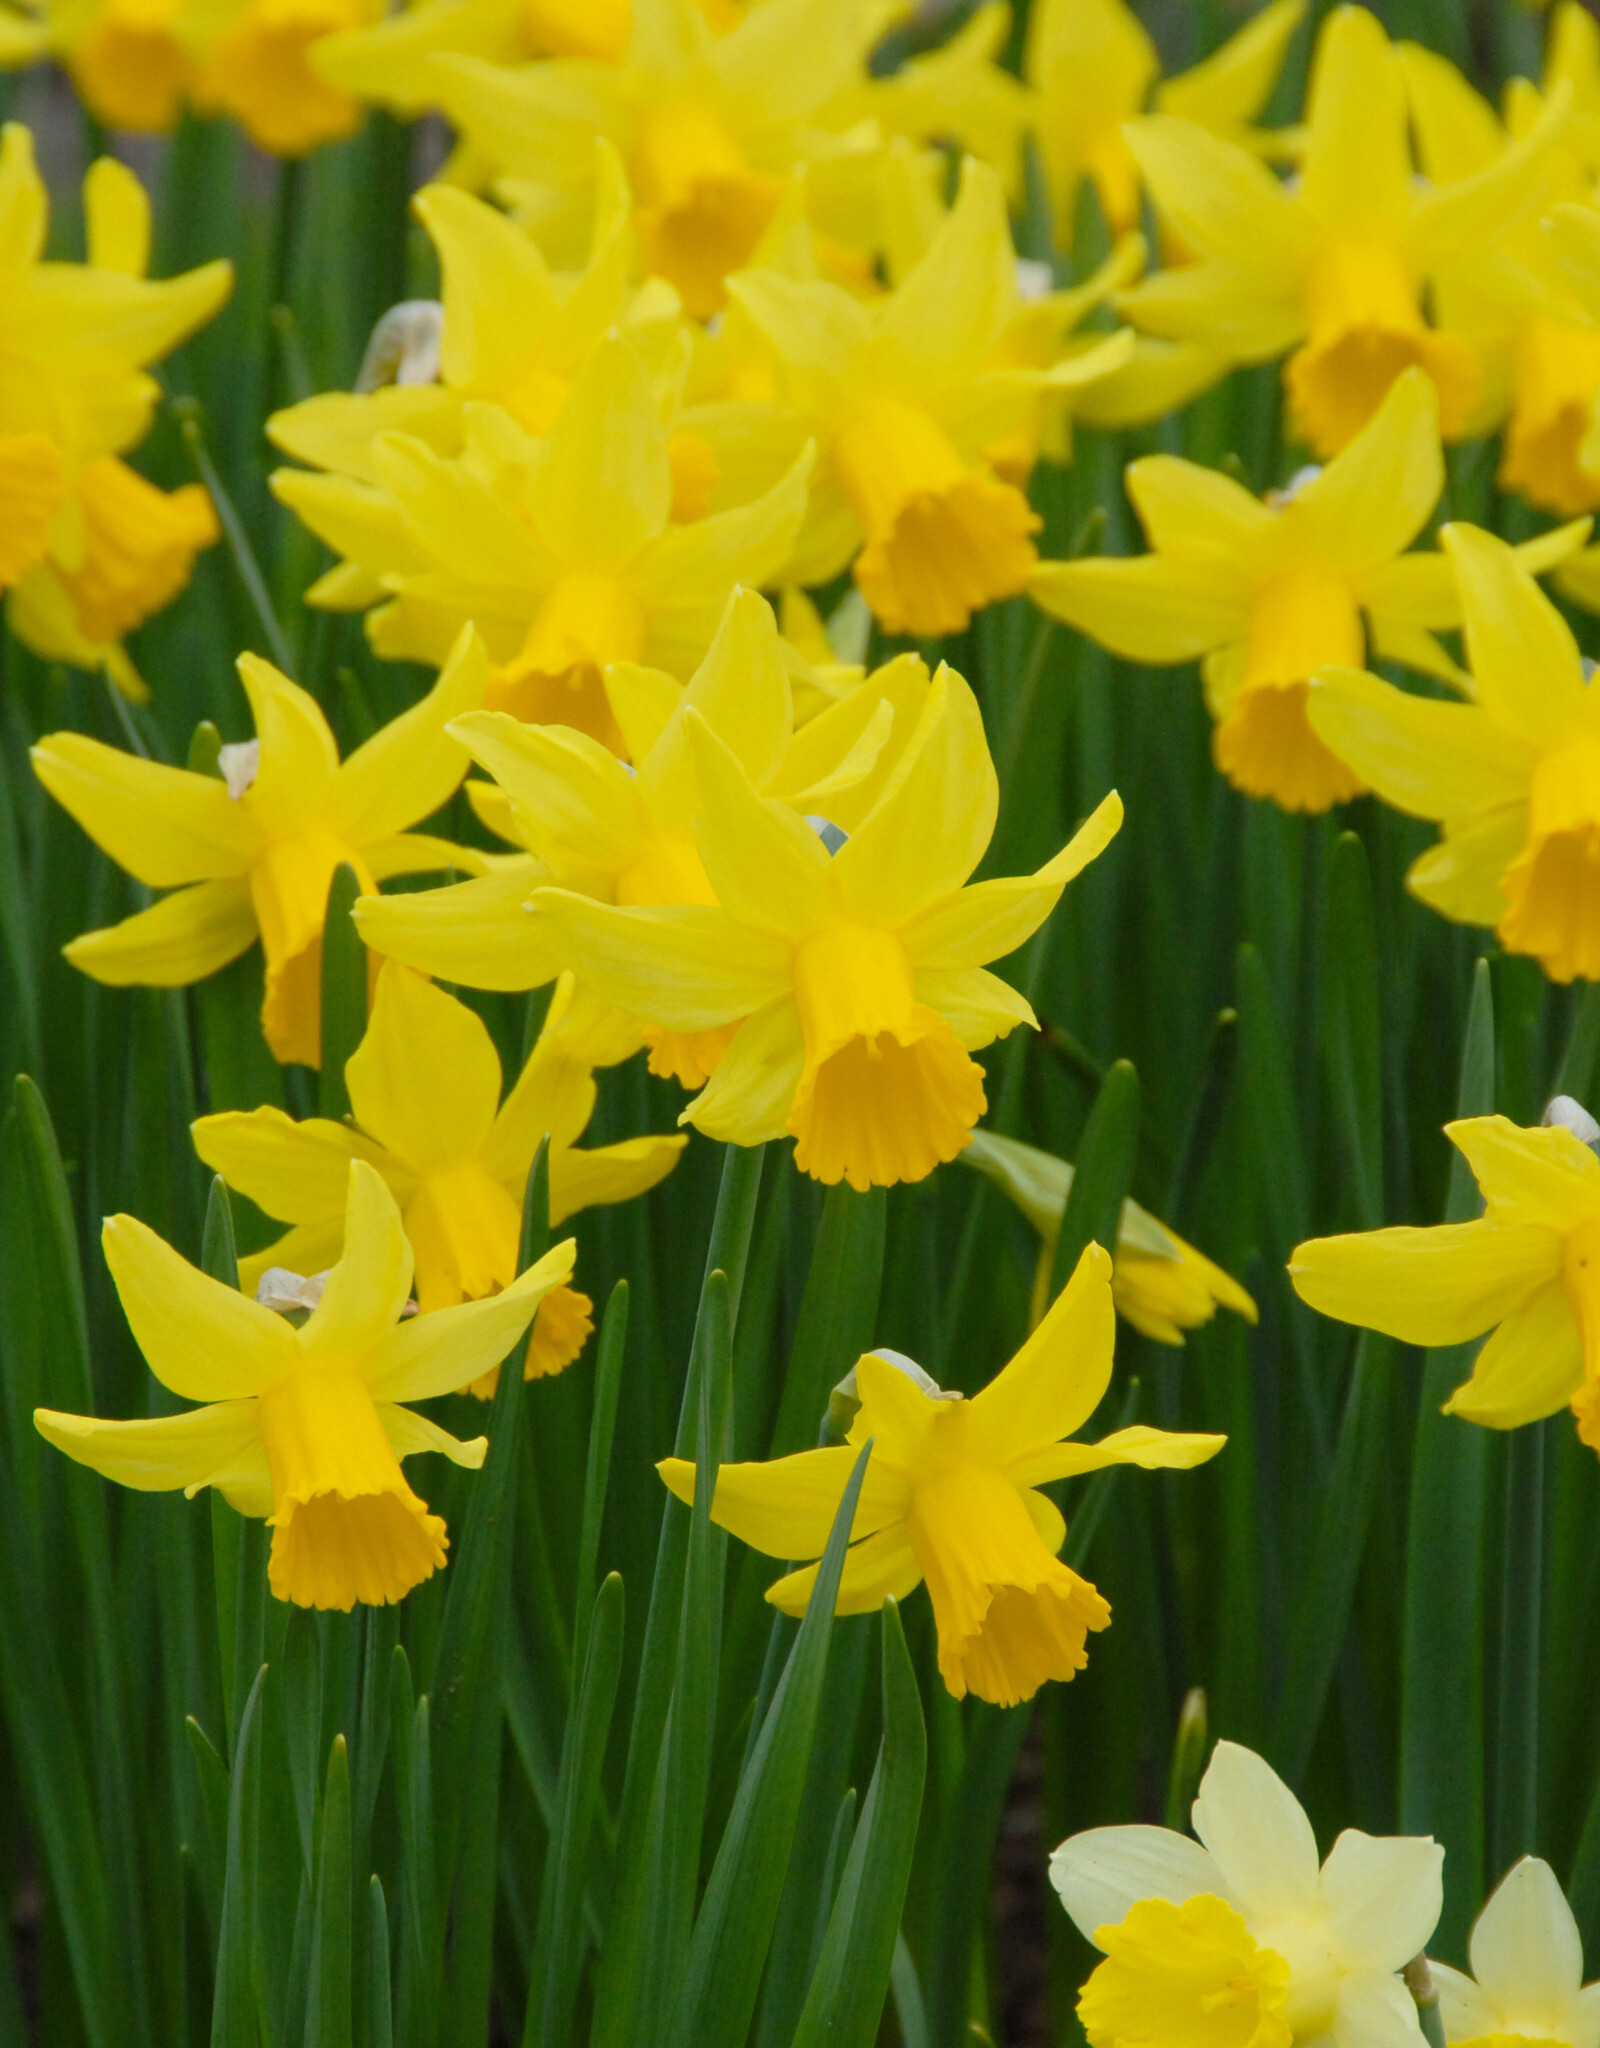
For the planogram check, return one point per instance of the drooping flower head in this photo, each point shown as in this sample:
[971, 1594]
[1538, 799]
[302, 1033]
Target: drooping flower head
[858, 971]
[951, 1495]
[1239, 1940]
[1528, 1269]
[305, 1425]
[1335, 266]
[1266, 592]
[251, 853]
[1527, 1970]
[1513, 777]
[426, 1114]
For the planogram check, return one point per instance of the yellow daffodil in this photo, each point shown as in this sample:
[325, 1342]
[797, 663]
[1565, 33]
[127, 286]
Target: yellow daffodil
[389, 61]
[1513, 778]
[709, 126]
[425, 1103]
[1266, 593]
[563, 552]
[951, 1495]
[626, 835]
[1091, 66]
[1334, 266]
[1160, 1284]
[902, 399]
[88, 548]
[305, 1425]
[251, 853]
[1529, 1268]
[1527, 1970]
[138, 63]
[1534, 323]
[1239, 1940]
[858, 973]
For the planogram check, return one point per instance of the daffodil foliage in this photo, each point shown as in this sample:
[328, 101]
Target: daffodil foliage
[800, 1019]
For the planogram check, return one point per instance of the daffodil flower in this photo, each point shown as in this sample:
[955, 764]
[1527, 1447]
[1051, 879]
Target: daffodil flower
[903, 401]
[709, 126]
[1334, 266]
[1267, 592]
[89, 548]
[1528, 1268]
[858, 973]
[1090, 66]
[426, 1114]
[305, 1425]
[562, 552]
[1513, 777]
[389, 61]
[1160, 1284]
[951, 1495]
[1527, 1970]
[1239, 1940]
[254, 858]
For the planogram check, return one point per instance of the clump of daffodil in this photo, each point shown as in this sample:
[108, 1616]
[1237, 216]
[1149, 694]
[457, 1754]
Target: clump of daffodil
[903, 396]
[1527, 1970]
[951, 1495]
[853, 964]
[709, 126]
[1160, 1284]
[389, 60]
[1528, 1268]
[1239, 1940]
[88, 549]
[1513, 777]
[1333, 266]
[1090, 66]
[426, 1114]
[1532, 314]
[139, 63]
[562, 551]
[305, 1425]
[625, 835]
[1266, 592]
[250, 853]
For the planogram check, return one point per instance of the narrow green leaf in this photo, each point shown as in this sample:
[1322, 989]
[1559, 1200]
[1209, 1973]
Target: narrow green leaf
[1351, 1028]
[729, 1948]
[602, 1426]
[557, 1951]
[210, 1854]
[909, 2007]
[838, 1312]
[1517, 1697]
[1189, 1749]
[380, 2005]
[328, 2011]
[191, 426]
[1103, 1175]
[1577, 1074]
[421, 1958]
[233, 2010]
[854, 1970]
[344, 991]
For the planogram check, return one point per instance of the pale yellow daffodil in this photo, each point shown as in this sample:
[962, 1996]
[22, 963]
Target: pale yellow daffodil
[252, 856]
[563, 552]
[1239, 1939]
[1090, 66]
[901, 396]
[305, 1425]
[87, 547]
[426, 1114]
[1333, 266]
[709, 126]
[1527, 1970]
[951, 1494]
[1160, 1284]
[1513, 778]
[858, 973]
[1265, 593]
[1528, 1268]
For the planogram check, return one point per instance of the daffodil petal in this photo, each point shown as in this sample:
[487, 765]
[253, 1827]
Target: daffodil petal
[786, 1506]
[477, 933]
[1104, 1872]
[410, 767]
[603, 484]
[1258, 1832]
[1526, 1952]
[1358, 163]
[1437, 1286]
[203, 1340]
[444, 1351]
[1152, 608]
[748, 1099]
[408, 1432]
[1520, 650]
[1057, 1380]
[769, 869]
[1530, 1368]
[179, 940]
[1375, 2010]
[1195, 514]
[296, 1172]
[878, 1568]
[1433, 760]
[977, 1005]
[1156, 1450]
[688, 966]
[609, 1173]
[161, 1452]
[1373, 499]
[164, 825]
[1218, 197]
[370, 1285]
[425, 1080]
[1382, 1896]
[1544, 1176]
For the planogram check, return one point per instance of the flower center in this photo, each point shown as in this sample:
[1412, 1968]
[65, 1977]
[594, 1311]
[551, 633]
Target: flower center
[587, 621]
[1311, 1996]
[345, 1525]
[942, 540]
[887, 1090]
[1188, 1976]
[257, 71]
[1558, 372]
[130, 67]
[1552, 888]
[702, 206]
[1364, 326]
